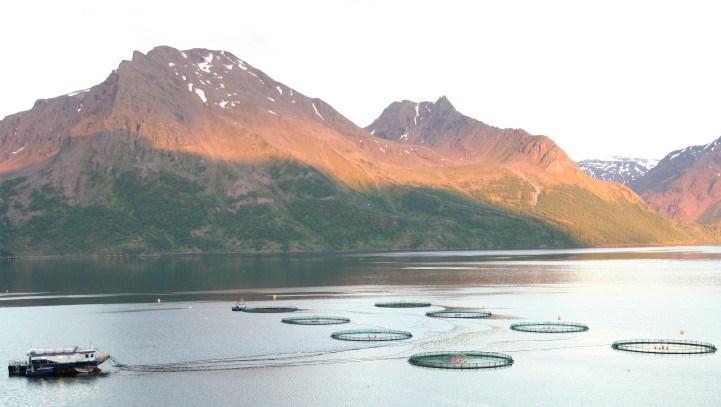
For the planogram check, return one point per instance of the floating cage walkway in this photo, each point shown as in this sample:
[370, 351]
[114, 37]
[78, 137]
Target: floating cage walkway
[664, 346]
[315, 320]
[461, 360]
[549, 327]
[269, 310]
[403, 304]
[458, 314]
[371, 335]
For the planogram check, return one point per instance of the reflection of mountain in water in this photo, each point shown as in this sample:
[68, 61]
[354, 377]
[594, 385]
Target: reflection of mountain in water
[70, 281]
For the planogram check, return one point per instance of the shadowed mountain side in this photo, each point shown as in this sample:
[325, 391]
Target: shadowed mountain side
[144, 200]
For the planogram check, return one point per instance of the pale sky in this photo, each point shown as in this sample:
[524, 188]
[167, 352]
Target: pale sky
[601, 79]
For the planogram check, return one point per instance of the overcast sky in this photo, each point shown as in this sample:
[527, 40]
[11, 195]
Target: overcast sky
[610, 78]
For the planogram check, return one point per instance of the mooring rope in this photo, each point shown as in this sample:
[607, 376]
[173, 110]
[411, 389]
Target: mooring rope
[557, 348]
[283, 360]
[222, 365]
[253, 361]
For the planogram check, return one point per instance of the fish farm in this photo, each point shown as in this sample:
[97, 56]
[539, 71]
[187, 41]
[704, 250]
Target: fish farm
[664, 346]
[315, 320]
[461, 360]
[458, 314]
[269, 310]
[402, 304]
[371, 335]
[549, 327]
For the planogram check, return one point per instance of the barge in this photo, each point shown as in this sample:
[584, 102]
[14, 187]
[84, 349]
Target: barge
[42, 362]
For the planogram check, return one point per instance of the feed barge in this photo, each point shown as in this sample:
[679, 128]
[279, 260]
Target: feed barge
[62, 361]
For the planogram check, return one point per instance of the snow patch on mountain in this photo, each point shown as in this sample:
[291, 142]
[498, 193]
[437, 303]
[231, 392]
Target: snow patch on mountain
[201, 95]
[206, 64]
[77, 92]
[317, 112]
[618, 169]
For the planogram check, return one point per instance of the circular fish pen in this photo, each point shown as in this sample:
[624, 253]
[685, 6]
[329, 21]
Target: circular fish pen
[664, 346]
[371, 335]
[549, 327]
[403, 304]
[458, 314]
[269, 310]
[461, 360]
[315, 320]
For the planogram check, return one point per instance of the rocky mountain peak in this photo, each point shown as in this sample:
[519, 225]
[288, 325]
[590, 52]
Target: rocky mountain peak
[415, 122]
[443, 105]
[176, 99]
[461, 138]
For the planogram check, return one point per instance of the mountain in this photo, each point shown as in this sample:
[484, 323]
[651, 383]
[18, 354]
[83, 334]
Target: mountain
[623, 170]
[197, 151]
[686, 184]
[528, 174]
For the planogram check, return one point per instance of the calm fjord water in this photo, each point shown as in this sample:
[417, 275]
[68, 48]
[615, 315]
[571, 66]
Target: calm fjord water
[619, 293]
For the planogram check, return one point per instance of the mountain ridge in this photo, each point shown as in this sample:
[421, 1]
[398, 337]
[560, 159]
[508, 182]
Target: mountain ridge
[171, 136]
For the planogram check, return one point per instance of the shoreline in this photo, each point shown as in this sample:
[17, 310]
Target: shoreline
[331, 252]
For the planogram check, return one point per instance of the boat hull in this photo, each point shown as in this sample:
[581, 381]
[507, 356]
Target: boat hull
[69, 369]
[41, 372]
[72, 369]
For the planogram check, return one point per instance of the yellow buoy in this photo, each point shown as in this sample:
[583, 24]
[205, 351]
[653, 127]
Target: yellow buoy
[158, 300]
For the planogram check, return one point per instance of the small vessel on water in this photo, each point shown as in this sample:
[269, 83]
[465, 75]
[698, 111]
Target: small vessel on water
[42, 362]
[239, 306]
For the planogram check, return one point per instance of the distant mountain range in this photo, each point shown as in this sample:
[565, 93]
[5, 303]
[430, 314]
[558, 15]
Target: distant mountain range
[686, 184]
[624, 170]
[199, 151]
